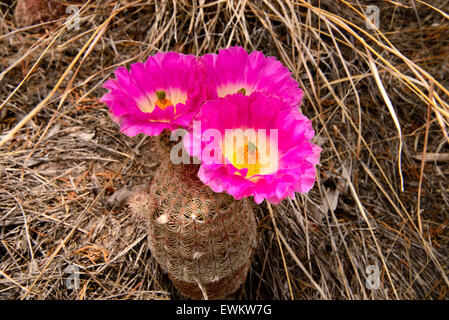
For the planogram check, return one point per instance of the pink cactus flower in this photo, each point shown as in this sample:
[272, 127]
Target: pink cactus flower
[162, 93]
[254, 146]
[233, 70]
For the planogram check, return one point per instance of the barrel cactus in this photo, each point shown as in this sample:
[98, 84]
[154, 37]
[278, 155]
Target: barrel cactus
[203, 240]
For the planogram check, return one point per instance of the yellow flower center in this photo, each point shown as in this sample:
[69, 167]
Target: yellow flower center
[250, 159]
[162, 101]
[244, 88]
[245, 148]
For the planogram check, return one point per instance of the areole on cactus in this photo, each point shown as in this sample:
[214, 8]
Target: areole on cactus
[201, 226]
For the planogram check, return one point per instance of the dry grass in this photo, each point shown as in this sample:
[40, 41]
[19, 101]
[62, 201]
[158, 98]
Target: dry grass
[378, 100]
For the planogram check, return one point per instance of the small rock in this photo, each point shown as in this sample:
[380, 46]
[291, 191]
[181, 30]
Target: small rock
[29, 12]
[119, 197]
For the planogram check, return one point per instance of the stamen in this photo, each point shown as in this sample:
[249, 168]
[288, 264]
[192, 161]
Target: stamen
[161, 95]
[162, 101]
[252, 147]
[242, 91]
[250, 158]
